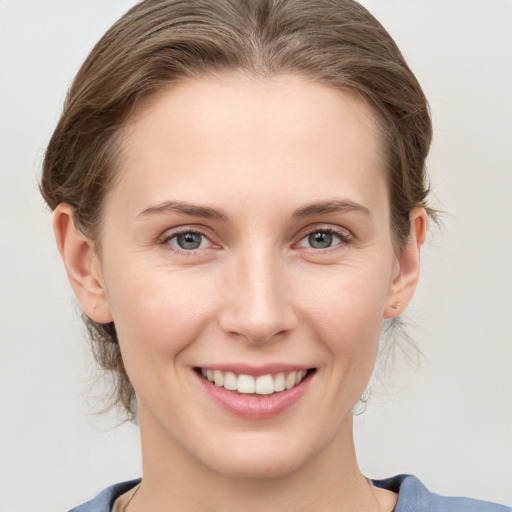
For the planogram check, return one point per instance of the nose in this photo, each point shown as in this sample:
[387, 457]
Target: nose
[257, 300]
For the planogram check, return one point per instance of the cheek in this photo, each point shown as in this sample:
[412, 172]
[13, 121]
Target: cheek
[158, 312]
[346, 315]
[348, 304]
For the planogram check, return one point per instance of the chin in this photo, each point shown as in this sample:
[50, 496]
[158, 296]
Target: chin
[258, 457]
[251, 467]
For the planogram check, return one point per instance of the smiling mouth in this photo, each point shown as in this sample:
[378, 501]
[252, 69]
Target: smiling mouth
[249, 385]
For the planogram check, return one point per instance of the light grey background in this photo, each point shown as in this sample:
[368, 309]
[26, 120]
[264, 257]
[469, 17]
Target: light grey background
[450, 422]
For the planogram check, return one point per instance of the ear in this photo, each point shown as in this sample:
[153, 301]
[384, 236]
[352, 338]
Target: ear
[82, 265]
[404, 283]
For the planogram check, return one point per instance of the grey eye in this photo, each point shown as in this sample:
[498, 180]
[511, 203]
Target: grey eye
[320, 239]
[188, 241]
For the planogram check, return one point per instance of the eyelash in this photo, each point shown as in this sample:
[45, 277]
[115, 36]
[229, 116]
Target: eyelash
[165, 240]
[344, 236]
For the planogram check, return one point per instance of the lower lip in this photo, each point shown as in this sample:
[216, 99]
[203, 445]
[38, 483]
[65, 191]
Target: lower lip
[255, 407]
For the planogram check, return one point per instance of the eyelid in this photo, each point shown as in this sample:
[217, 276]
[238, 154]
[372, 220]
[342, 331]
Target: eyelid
[343, 233]
[167, 235]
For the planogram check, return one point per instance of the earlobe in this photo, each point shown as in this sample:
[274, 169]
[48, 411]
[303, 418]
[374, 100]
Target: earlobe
[82, 265]
[404, 284]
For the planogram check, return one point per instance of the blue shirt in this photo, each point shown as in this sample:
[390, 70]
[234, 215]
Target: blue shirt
[413, 496]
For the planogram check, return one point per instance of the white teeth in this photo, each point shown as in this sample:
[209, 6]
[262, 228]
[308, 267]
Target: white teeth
[247, 384]
[280, 382]
[230, 381]
[265, 385]
[218, 378]
[300, 375]
[290, 380]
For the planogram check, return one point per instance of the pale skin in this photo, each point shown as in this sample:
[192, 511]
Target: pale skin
[254, 169]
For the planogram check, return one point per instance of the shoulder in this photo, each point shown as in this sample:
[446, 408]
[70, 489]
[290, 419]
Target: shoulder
[413, 496]
[105, 499]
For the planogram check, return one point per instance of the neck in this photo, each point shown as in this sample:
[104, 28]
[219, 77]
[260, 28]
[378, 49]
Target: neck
[329, 481]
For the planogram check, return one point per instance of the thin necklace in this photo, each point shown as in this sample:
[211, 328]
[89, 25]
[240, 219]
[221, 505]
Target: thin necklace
[131, 499]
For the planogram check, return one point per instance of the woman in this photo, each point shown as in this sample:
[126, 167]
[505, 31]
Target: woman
[240, 200]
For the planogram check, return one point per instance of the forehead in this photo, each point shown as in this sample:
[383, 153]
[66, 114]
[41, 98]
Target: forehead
[231, 133]
[242, 102]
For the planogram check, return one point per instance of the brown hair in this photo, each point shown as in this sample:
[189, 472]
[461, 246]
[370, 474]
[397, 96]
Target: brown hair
[157, 42]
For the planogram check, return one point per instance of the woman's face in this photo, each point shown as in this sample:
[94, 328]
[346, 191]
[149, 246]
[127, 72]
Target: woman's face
[249, 236]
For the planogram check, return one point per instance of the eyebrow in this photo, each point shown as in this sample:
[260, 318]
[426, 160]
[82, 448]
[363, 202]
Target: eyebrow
[332, 206]
[186, 209]
[206, 212]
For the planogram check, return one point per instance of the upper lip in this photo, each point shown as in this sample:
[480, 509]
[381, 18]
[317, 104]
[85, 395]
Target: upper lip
[256, 370]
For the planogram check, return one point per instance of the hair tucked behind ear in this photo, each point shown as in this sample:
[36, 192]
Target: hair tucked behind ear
[158, 42]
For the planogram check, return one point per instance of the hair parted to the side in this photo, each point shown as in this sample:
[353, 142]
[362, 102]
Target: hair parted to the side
[158, 42]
